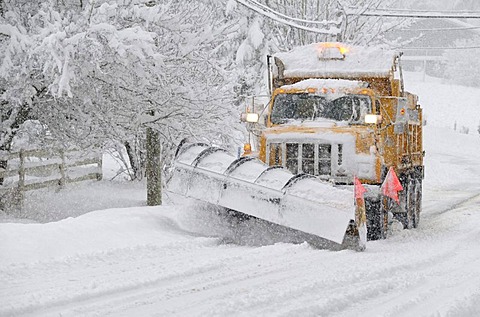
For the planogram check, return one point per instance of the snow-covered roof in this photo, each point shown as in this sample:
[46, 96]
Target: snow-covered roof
[307, 61]
[326, 83]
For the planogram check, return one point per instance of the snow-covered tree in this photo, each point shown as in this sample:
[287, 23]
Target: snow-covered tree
[105, 70]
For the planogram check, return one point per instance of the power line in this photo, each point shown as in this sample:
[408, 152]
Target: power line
[438, 48]
[282, 18]
[335, 23]
[423, 11]
[443, 29]
[414, 16]
[274, 16]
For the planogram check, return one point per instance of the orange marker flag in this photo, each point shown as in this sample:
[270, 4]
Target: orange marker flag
[391, 185]
[359, 189]
[360, 213]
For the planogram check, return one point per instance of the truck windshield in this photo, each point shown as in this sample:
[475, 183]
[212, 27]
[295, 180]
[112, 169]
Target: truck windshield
[350, 108]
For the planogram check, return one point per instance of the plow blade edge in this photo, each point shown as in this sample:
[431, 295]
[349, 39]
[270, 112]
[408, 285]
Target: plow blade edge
[247, 185]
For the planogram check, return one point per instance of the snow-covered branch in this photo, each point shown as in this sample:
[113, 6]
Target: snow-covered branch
[329, 29]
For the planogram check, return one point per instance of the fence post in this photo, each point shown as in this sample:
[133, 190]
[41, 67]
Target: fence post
[100, 167]
[62, 168]
[18, 195]
[21, 170]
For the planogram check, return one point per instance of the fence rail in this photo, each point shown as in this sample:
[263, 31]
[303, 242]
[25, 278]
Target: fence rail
[36, 169]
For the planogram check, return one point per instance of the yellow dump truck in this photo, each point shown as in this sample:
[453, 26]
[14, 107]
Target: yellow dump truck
[337, 116]
[338, 111]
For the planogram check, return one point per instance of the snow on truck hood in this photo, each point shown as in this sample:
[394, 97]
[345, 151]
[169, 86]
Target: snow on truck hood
[307, 124]
[314, 127]
[301, 135]
[303, 61]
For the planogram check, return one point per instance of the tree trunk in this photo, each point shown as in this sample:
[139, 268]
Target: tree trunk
[135, 163]
[6, 148]
[154, 169]
[16, 119]
[3, 165]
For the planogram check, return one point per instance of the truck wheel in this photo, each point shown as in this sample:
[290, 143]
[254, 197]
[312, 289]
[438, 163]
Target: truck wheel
[418, 201]
[403, 211]
[411, 204]
[376, 220]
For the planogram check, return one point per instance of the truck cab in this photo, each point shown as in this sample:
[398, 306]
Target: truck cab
[339, 112]
[312, 127]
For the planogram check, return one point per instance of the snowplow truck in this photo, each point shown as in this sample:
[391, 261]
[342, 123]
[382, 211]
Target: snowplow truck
[337, 121]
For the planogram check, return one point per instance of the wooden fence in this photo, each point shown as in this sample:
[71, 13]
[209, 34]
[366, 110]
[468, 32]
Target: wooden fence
[35, 169]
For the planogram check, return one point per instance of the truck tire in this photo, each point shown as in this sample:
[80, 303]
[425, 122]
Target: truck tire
[411, 204]
[418, 201]
[376, 219]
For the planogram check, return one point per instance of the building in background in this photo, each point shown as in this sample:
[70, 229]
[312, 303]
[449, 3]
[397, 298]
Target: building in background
[427, 40]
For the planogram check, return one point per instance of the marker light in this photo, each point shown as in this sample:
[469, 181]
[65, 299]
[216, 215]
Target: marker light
[247, 148]
[343, 50]
[373, 119]
[331, 51]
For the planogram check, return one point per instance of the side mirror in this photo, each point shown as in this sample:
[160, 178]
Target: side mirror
[401, 119]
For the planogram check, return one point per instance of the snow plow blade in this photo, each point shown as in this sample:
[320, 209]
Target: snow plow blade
[321, 213]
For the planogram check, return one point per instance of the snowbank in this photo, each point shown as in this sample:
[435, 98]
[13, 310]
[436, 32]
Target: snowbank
[93, 232]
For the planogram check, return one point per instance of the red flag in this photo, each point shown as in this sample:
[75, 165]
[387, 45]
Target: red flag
[391, 185]
[359, 189]
[360, 212]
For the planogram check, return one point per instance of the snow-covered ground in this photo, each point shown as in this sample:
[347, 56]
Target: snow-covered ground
[446, 105]
[189, 261]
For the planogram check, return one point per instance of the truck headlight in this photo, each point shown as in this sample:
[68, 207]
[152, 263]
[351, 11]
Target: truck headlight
[373, 119]
[249, 117]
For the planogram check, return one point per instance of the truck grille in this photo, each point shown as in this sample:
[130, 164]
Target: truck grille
[324, 159]
[292, 157]
[310, 158]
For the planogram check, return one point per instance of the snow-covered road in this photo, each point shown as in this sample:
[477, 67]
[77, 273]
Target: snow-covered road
[188, 261]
